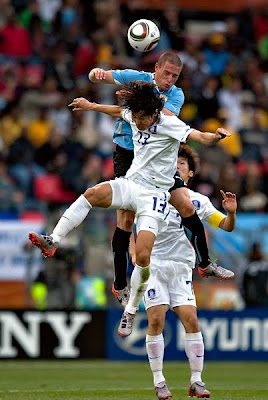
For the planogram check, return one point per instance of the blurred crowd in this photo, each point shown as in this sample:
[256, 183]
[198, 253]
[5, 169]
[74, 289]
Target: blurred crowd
[49, 155]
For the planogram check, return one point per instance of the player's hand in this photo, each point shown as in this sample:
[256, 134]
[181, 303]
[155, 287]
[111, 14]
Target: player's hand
[81, 104]
[229, 202]
[122, 94]
[99, 74]
[222, 133]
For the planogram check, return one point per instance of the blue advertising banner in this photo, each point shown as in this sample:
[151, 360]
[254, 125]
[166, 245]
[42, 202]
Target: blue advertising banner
[228, 335]
[52, 334]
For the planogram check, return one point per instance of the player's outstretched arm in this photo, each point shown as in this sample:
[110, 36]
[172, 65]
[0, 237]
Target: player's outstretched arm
[99, 75]
[82, 104]
[229, 204]
[208, 138]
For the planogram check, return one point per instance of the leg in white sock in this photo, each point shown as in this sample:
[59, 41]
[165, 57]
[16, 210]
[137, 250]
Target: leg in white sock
[72, 217]
[138, 285]
[194, 349]
[155, 351]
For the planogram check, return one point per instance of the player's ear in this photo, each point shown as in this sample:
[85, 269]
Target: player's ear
[191, 174]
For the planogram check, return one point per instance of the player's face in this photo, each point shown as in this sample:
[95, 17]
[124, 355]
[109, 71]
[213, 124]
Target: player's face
[183, 168]
[166, 75]
[143, 121]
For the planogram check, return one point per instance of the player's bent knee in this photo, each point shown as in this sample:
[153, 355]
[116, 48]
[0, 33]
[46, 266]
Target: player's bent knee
[89, 194]
[186, 209]
[142, 258]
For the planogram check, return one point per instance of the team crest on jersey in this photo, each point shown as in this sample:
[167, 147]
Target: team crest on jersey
[196, 204]
[151, 294]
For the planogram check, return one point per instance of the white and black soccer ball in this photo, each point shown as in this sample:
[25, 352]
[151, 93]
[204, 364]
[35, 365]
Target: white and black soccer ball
[143, 35]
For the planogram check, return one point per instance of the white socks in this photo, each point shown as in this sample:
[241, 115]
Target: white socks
[194, 349]
[155, 351]
[72, 217]
[138, 285]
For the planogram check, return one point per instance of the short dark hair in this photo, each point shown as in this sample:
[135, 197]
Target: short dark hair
[191, 156]
[140, 96]
[171, 57]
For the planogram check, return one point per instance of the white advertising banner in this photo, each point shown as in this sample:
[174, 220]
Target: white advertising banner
[16, 263]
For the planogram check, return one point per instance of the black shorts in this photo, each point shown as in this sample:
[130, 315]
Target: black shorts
[179, 182]
[122, 161]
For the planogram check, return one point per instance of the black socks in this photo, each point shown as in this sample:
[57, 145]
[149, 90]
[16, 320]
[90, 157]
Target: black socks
[195, 232]
[120, 247]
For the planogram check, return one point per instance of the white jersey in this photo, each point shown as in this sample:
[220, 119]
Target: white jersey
[173, 243]
[156, 150]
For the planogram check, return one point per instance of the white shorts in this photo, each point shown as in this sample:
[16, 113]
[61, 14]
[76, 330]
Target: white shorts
[170, 283]
[145, 201]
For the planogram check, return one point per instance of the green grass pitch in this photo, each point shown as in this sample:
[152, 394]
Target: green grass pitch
[108, 380]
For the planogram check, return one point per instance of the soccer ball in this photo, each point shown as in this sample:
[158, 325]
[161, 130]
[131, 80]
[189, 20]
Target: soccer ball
[143, 35]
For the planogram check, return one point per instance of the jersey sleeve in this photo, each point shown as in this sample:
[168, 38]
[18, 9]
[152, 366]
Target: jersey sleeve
[175, 101]
[127, 115]
[206, 211]
[175, 128]
[123, 77]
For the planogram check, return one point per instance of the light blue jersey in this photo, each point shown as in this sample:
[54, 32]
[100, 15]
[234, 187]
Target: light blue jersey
[174, 99]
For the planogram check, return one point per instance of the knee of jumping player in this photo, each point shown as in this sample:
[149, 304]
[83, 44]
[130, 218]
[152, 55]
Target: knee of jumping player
[99, 195]
[142, 257]
[186, 209]
[180, 199]
[90, 194]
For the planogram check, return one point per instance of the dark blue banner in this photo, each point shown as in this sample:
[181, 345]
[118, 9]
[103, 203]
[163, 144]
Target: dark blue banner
[230, 335]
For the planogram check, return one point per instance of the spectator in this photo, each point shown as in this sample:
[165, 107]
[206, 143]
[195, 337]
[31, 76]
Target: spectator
[207, 102]
[261, 23]
[39, 128]
[22, 167]
[30, 13]
[228, 180]
[51, 155]
[255, 279]
[5, 10]
[15, 40]
[48, 9]
[233, 145]
[204, 180]
[216, 54]
[34, 98]
[61, 117]
[112, 51]
[253, 133]
[8, 84]
[11, 126]
[173, 23]
[59, 66]
[11, 198]
[230, 99]
[252, 197]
